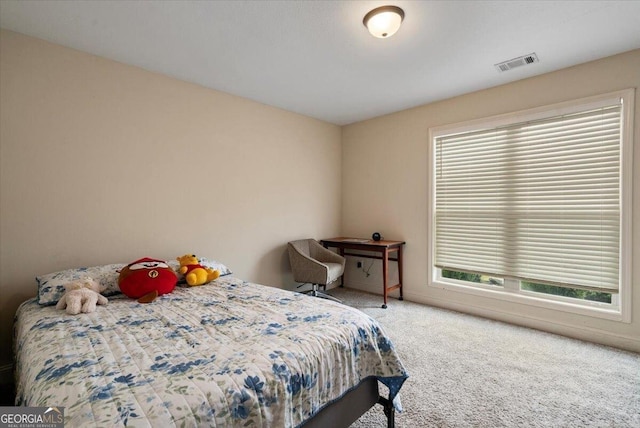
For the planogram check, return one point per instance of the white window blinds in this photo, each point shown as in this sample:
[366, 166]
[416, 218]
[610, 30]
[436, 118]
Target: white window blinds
[536, 201]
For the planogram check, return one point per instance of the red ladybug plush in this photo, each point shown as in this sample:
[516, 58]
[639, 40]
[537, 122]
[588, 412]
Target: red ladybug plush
[146, 279]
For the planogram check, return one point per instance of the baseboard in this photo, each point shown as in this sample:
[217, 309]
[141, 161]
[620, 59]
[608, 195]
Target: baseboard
[367, 288]
[587, 334]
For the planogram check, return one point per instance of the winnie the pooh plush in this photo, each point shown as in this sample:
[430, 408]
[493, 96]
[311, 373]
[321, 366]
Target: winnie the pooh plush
[82, 296]
[194, 273]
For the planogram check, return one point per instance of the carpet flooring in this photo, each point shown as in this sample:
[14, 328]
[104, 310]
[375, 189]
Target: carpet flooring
[467, 371]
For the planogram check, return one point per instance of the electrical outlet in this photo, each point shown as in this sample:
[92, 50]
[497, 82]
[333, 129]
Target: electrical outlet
[359, 264]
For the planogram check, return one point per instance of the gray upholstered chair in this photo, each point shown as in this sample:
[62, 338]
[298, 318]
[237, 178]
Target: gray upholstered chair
[313, 264]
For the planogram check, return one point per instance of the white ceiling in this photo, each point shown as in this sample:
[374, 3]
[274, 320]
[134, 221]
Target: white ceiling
[316, 57]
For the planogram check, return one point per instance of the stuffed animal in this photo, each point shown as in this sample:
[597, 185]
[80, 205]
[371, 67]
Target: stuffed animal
[146, 279]
[82, 296]
[194, 273]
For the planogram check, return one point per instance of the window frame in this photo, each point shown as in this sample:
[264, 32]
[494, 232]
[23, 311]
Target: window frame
[509, 293]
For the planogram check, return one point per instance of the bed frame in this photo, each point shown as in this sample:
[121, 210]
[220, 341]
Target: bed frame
[351, 406]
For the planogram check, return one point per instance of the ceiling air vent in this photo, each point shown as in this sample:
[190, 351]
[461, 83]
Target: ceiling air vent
[517, 62]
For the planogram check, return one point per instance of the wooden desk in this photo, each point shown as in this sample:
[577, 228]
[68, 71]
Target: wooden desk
[382, 247]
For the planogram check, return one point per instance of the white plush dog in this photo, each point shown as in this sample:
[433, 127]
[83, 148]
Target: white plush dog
[82, 296]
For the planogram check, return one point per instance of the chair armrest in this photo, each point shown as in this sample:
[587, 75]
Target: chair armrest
[325, 255]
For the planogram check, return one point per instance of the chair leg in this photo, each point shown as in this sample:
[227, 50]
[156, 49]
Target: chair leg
[327, 296]
[317, 293]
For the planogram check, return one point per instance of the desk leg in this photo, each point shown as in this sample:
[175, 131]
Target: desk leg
[385, 275]
[400, 270]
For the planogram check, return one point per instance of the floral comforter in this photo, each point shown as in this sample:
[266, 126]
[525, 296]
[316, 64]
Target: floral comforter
[230, 353]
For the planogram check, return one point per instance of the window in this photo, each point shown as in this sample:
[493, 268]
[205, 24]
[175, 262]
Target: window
[536, 205]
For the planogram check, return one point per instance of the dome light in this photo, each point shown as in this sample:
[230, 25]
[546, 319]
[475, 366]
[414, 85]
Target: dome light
[384, 21]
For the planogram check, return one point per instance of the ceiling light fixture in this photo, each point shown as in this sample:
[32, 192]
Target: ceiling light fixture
[384, 21]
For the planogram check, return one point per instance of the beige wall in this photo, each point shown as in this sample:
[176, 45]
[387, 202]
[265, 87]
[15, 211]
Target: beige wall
[103, 162]
[385, 179]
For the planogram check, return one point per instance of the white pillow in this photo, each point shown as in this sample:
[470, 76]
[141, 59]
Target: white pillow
[51, 286]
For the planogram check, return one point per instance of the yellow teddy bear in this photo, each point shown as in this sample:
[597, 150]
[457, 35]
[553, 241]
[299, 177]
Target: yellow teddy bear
[194, 273]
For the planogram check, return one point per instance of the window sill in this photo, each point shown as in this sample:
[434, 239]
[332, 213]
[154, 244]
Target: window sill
[530, 299]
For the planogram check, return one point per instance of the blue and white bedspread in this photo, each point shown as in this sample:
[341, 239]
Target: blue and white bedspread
[229, 353]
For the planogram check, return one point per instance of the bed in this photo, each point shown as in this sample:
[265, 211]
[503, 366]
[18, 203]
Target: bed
[229, 353]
